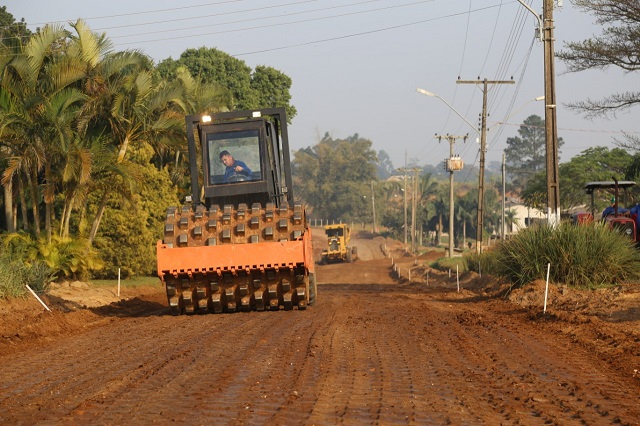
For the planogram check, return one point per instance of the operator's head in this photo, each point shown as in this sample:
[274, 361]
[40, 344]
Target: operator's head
[226, 158]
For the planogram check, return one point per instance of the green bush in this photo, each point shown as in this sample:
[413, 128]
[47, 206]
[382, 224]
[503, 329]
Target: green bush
[130, 228]
[581, 256]
[484, 262]
[66, 257]
[15, 274]
[446, 263]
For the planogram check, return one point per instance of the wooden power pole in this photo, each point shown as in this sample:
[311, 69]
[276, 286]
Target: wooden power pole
[551, 126]
[414, 205]
[404, 171]
[451, 164]
[483, 148]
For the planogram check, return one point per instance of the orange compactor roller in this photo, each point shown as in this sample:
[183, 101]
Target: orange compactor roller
[245, 245]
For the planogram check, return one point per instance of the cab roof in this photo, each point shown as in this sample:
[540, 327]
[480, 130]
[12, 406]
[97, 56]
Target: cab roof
[609, 184]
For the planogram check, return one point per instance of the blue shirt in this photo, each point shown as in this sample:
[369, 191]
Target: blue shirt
[611, 210]
[231, 170]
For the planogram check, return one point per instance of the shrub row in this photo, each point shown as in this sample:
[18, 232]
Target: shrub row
[15, 274]
[580, 256]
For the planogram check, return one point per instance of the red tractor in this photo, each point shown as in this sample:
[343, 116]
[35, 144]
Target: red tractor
[619, 218]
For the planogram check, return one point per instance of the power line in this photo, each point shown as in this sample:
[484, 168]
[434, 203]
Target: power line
[283, 23]
[496, 138]
[358, 34]
[192, 18]
[168, 10]
[504, 65]
[493, 34]
[567, 129]
[394, 27]
[466, 36]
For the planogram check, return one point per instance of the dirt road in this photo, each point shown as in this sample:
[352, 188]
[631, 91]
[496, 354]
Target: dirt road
[371, 351]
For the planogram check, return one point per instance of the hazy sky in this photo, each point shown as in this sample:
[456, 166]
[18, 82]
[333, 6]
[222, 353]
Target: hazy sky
[356, 64]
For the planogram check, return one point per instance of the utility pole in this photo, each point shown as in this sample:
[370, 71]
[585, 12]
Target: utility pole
[373, 208]
[504, 193]
[404, 171]
[483, 149]
[551, 126]
[414, 199]
[414, 206]
[546, 27]
[451, 164]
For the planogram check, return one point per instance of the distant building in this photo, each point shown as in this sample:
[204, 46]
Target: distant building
[524, 217]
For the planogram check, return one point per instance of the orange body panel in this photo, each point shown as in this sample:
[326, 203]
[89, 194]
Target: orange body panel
[582, 218]
[226, 257]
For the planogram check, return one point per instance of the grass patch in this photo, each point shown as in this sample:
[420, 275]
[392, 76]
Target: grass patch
[446, 263]
[15, 275]
[133, 282]
[586, 256]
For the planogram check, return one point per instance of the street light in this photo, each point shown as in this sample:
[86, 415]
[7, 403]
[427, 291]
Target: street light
[433, 95]
[504, 120]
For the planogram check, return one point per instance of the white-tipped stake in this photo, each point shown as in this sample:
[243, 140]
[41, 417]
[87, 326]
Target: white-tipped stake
[39, 300]
[546, 289]
[118, 282]
[457, 278]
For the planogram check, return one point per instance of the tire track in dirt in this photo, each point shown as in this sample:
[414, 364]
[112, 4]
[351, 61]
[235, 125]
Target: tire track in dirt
[526, 373]
[370, 351]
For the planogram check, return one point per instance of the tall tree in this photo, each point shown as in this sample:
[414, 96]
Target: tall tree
[250, 89]
[593, 164]
[211, 65]
[466, 210]
[427, 190]
[335, 175]
[617, 46]
[42, 107]
[525, 154]
[385, 165]
[13, 33]
[272, 89]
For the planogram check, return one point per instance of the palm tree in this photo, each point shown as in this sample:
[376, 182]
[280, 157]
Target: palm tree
[441, 210]
[141, 113]
[41, 107]
[427, 189]
[196, 97]
[66, 101]
[463, 215]
[510, 218]
[79, 163]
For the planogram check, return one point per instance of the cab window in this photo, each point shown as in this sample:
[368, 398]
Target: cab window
[337, 232]
[234, 156]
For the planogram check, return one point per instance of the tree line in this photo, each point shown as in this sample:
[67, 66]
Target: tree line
[93, 146]
[93, 143]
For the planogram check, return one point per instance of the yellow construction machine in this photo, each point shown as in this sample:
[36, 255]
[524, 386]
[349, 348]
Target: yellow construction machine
[338, 250]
